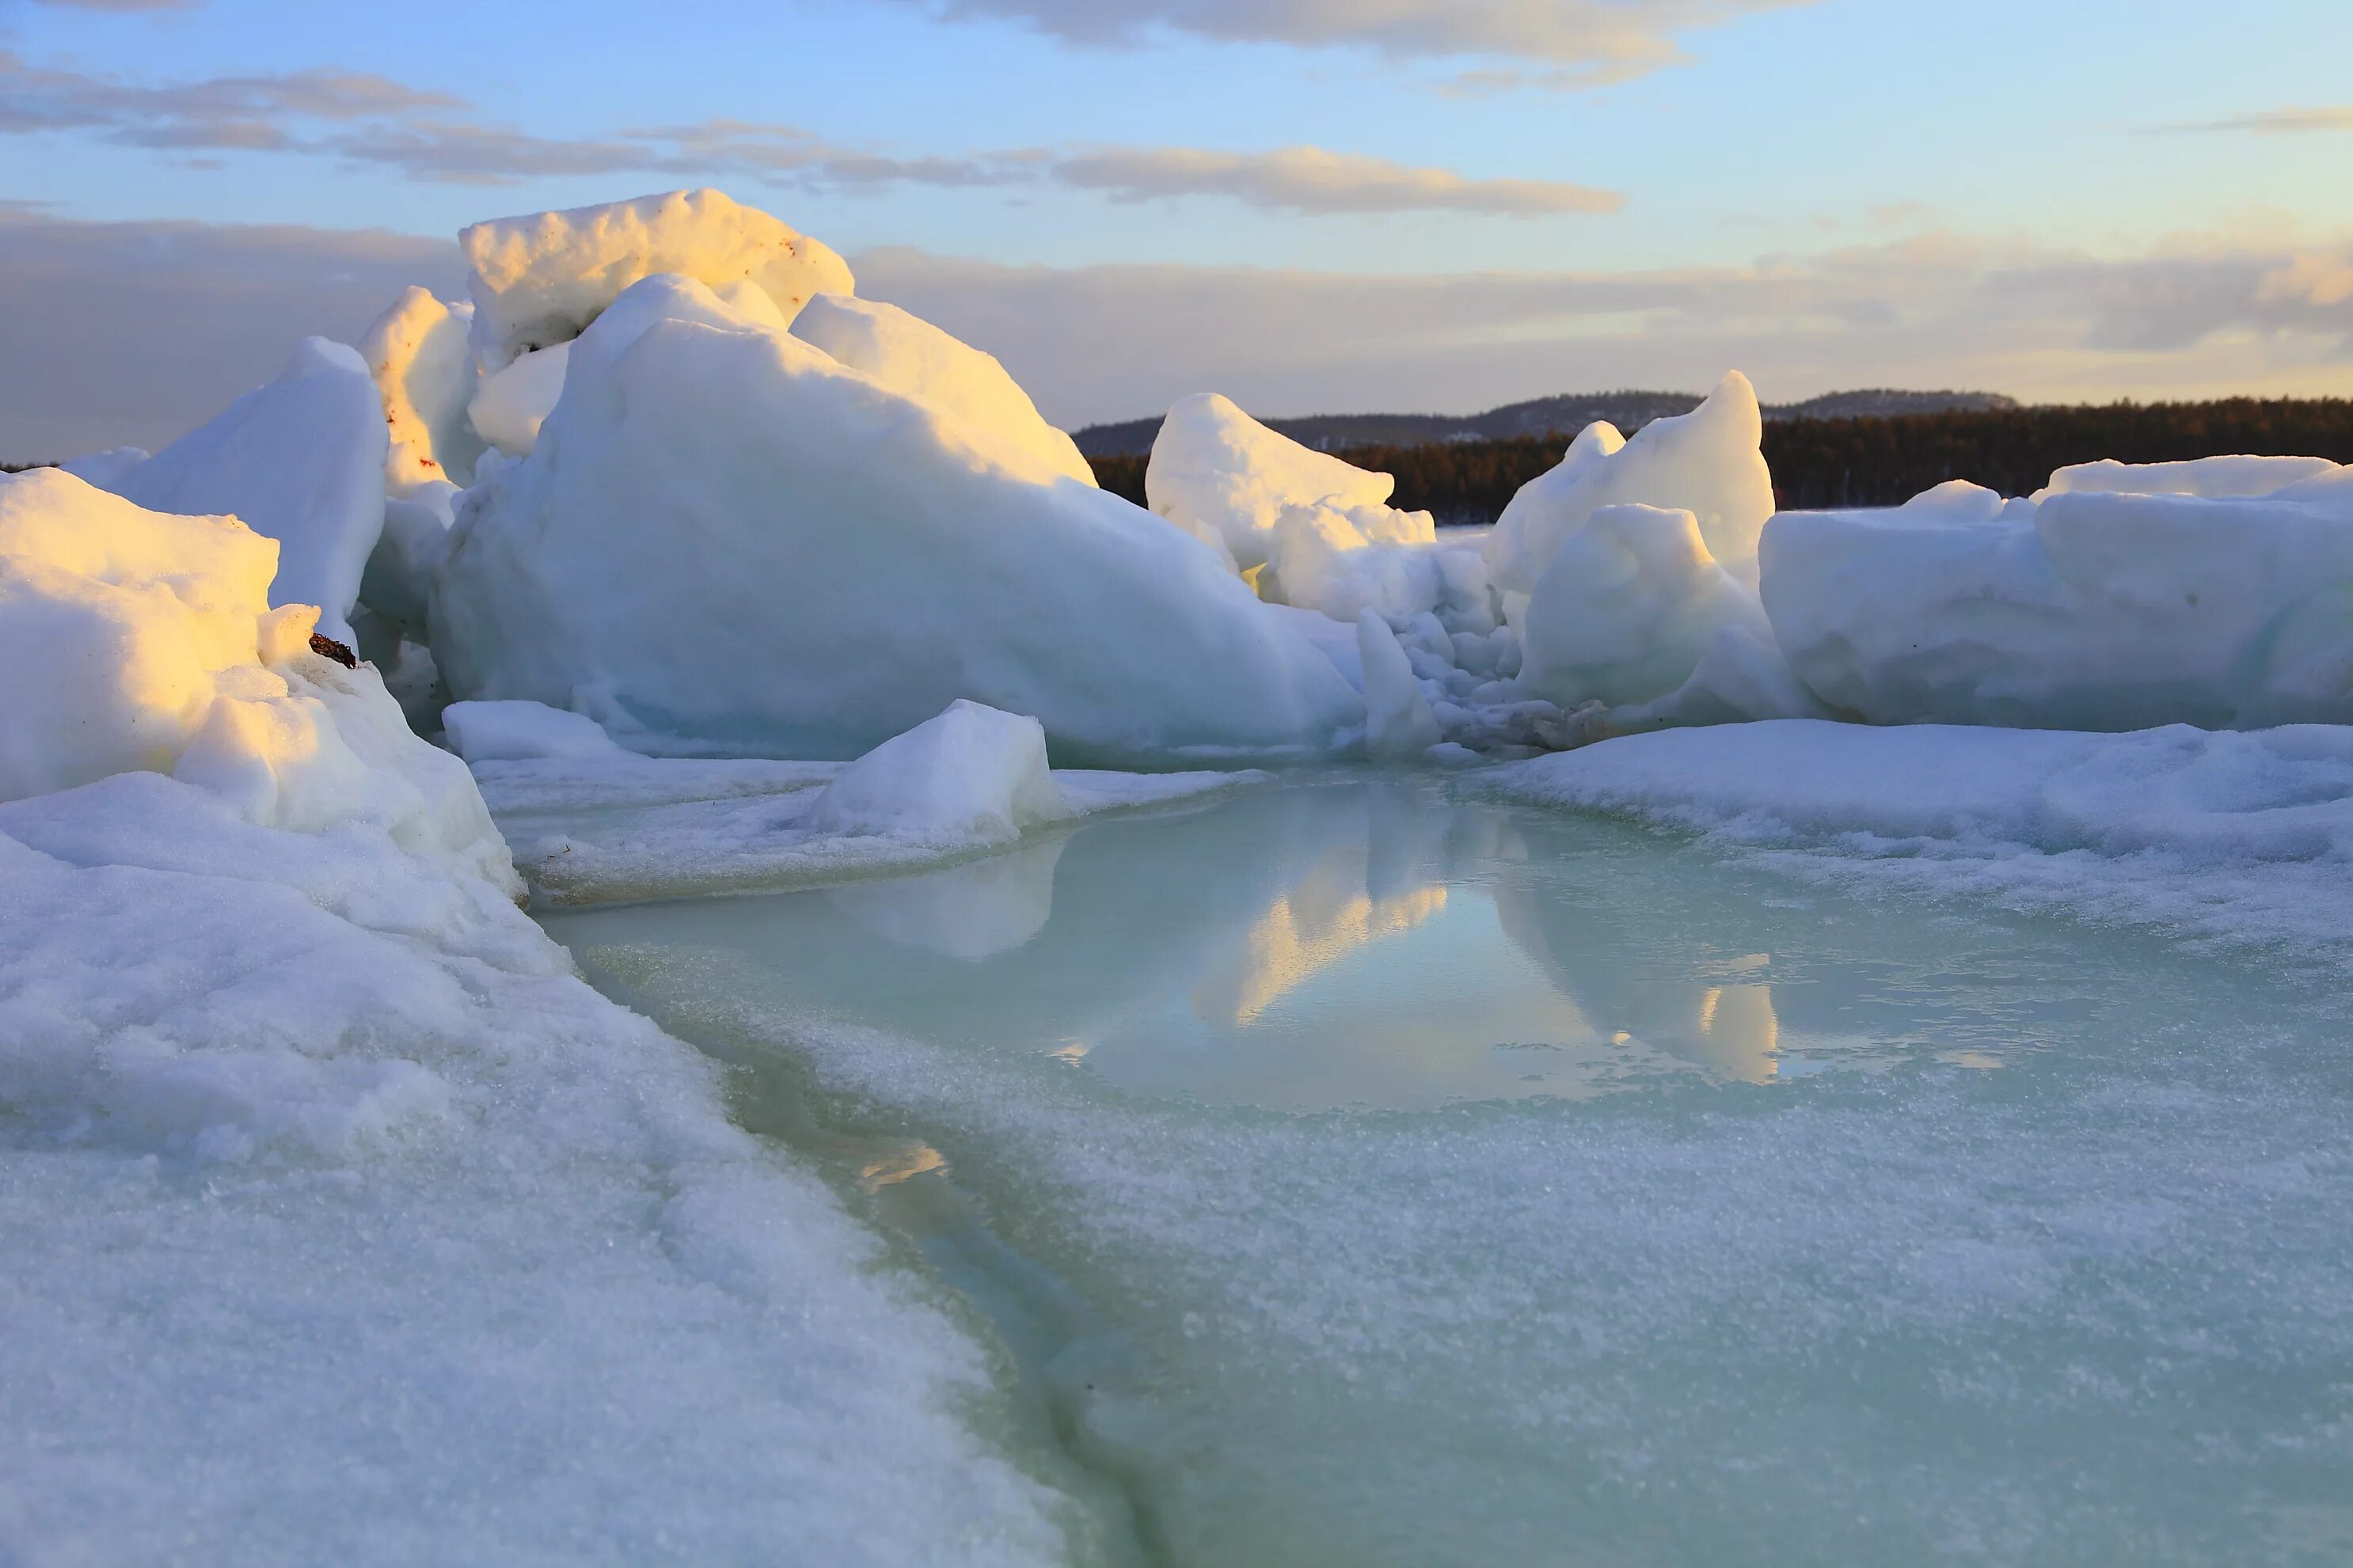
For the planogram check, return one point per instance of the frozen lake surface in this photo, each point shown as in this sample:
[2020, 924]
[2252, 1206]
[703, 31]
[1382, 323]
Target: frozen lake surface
[1362, 1174]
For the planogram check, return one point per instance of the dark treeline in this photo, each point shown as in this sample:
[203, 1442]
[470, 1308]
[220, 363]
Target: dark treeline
[1881, 461]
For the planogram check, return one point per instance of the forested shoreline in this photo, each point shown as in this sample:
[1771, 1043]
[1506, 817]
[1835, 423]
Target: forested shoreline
[1820, 463]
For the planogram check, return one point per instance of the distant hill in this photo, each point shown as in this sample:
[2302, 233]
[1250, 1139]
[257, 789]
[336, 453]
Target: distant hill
[1543, 417]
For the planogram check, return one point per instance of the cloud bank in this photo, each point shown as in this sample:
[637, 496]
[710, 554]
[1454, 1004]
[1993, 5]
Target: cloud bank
[136, 331]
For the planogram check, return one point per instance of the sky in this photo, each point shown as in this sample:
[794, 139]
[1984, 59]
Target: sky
[1313, 206]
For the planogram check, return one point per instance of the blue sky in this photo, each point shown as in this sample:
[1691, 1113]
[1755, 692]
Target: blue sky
[1965, 189]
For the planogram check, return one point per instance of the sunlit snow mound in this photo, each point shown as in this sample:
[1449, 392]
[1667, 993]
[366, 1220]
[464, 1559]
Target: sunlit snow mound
[302, 461]
[727, 539]
[540, 280]
[2224, 600]
[911, 356]
[157, 651]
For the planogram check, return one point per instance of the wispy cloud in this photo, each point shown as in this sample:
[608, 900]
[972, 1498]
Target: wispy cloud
[367, 119]
[122, 5]
[2276, 122]
[1571, 44]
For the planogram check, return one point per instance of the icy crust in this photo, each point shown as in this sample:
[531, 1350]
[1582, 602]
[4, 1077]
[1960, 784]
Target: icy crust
[590, 829]
[1216, 472]
[2240, 839]
[728, 537]
[2091, 609]
[539, 280]
[911, 356]
[344, 1224]
[424, 371]
[301, 460]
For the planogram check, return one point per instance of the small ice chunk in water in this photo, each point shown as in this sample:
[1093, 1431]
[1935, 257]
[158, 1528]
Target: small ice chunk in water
[973, 772]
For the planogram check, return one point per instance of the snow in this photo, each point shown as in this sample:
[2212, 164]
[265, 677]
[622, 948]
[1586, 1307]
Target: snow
[519, 732]
[2215, 479]
[1706, 462]
[1398, 718]
[509, 407]
[345, 1224]
[301, 460]
[2245, 838]
[538, 281]
[2089, 609]
[917, 360]
[161, 654]
[1214, 469]
[424, 371]
[727, 537]
[972, 774]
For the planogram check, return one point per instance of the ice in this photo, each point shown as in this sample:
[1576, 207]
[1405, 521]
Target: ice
[2088, 610]
[1398, 720]
[972, 775]
[1635, 613]
[1382, 1179]
[1705, 462]
[519, 731]
[301, 460]
[917, 360]
[608, 828]
[424, 373]
[2239, 838]
[732, 541]
[510, 407]
[102, 468]
[1214, 469]
[539, 280]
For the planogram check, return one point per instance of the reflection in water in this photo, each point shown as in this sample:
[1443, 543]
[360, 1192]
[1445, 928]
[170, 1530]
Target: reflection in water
[1357, 944]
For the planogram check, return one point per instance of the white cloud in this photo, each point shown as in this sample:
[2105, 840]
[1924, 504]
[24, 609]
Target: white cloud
[1582, 43]
[1311, 180]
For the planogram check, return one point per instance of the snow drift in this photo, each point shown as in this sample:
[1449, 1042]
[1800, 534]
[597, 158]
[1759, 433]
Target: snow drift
[302, 461]
[734, 542]
[2094, 608]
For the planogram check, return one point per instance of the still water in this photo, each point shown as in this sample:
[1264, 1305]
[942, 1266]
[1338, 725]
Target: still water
[1362, 1174]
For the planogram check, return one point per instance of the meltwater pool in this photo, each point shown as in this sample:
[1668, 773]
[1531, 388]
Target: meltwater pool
[1356, 1172]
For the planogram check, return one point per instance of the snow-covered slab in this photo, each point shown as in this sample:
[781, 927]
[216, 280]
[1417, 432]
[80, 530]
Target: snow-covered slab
[2236, 838]
[345, 1224]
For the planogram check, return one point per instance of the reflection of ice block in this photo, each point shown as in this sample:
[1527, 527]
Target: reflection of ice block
[968, 911]
[1735, 1033]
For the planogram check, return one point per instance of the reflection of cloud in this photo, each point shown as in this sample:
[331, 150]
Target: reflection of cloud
[1326, 916]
